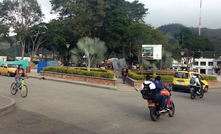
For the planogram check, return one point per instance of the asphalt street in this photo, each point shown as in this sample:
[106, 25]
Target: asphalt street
[55, 108]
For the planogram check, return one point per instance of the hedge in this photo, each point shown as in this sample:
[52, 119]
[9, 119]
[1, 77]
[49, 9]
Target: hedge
[210, 78]
[164, 77]
[158, 73]
[135, 76]
[78, 71]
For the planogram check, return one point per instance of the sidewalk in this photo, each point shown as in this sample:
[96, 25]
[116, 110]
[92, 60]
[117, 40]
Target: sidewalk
[119, 83]
[6, 105]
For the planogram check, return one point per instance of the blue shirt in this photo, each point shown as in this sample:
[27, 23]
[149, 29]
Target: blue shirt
[158, 86]
[163, 85]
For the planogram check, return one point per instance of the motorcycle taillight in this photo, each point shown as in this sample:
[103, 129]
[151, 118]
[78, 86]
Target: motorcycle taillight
[150, 101]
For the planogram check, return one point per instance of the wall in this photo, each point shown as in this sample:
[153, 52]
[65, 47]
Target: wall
[95, 80]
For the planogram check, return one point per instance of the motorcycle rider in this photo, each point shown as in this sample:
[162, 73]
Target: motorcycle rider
[157, 79]
[155, 94]
[195, 82]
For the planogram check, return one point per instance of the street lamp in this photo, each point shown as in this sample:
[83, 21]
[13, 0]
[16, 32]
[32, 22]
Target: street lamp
[16, 48]
[67, 45]
[182, 54]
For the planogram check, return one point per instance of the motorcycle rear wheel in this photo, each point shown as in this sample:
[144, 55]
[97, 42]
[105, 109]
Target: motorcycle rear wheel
[192, 95]
[172, 108]
[153, 114]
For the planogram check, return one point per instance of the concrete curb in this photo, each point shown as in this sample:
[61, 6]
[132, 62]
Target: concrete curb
[7, 108]
[114, 88]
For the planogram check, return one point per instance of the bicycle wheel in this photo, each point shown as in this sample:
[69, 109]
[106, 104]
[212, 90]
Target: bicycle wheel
[13, 88]
[24, 91]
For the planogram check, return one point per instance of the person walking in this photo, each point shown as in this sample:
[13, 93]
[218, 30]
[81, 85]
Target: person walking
[124, 74]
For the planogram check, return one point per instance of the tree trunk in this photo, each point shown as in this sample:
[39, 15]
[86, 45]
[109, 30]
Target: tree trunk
[22, 51]
[89, 64]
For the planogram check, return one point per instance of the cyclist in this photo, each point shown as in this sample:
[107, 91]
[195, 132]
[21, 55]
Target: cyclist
[19, 73]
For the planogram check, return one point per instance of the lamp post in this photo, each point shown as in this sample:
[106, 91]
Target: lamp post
[16, 48]
[67, 45]
[182, 54]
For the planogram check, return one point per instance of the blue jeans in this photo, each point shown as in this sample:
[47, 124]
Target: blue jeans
[18, 81]
[161, 98]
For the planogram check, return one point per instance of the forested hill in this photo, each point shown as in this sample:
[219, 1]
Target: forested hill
[213, 34]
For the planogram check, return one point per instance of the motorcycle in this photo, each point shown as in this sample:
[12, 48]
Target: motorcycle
[194, 92]
[154, 107]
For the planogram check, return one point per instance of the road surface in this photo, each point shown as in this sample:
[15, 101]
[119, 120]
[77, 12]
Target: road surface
[55, 108]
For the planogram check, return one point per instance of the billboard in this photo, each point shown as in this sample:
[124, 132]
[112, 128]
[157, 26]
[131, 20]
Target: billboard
[152, 52]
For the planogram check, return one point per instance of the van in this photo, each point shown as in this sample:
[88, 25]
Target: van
[181, 81]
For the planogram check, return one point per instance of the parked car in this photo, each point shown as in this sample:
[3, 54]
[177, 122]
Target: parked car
[8, 69]
[181, 81]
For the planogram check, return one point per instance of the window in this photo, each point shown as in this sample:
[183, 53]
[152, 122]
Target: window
[196, 63]
[5, 66]
[181, 75]
[2, 65]
[12, 65]
[210, 63]
[202, 63]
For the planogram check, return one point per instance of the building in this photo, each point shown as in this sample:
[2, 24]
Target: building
[3, 58]
[204, 66]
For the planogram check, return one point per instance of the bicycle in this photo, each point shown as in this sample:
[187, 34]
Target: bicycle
[23, 88]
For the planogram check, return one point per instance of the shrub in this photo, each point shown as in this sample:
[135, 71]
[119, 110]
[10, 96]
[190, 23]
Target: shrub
[210, 78]
[158, 73]
[135, 76]
[35, 62]
[77, 71]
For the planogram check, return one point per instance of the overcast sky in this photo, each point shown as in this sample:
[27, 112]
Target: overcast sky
[172, 11]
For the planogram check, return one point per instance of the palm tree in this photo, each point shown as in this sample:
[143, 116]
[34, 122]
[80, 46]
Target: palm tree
[92, 49]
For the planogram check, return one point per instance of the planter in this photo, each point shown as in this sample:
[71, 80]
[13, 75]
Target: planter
[138, 83]
[96, 80]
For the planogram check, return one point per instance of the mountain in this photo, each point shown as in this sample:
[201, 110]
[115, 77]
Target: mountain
[213, 34]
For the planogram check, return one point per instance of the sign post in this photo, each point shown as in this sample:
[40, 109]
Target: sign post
[152, 52]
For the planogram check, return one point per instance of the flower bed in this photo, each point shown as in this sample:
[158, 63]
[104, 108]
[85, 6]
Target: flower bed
[95, 73]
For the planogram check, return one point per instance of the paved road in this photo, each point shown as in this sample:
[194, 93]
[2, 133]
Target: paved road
[55, 108]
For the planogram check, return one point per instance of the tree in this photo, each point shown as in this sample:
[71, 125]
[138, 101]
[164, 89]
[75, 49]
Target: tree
[93, 49]
[59, 35]
[3, 53]
[193, 45]
[137, 11]
[20, 15]
[116, 24]
[37, 36]
[87, 16]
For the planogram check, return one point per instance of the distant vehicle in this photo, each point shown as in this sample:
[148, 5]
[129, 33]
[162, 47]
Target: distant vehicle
[181, 81]
[8, 69]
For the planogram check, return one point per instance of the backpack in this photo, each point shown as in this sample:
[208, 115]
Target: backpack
[192, 81]
[146, 92]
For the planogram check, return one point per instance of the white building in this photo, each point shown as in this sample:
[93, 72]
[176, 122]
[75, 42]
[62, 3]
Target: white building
[19, 58]
[3, 58]
[201, 65]
[204, 66]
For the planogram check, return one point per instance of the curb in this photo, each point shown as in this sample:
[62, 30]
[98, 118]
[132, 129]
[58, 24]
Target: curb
[114, 88]
[8, 108]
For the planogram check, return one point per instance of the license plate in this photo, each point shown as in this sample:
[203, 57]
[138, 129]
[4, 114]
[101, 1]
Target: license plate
[150, 104]
[180, 82]
[191, 88]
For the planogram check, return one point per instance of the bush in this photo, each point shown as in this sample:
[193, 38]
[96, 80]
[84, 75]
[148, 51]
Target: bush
[158, 73]
[35, 62]
[209, 78]
[135, 76]
[77, 71]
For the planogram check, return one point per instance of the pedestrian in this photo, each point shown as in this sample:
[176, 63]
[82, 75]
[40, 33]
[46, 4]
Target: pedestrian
[124, 74]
